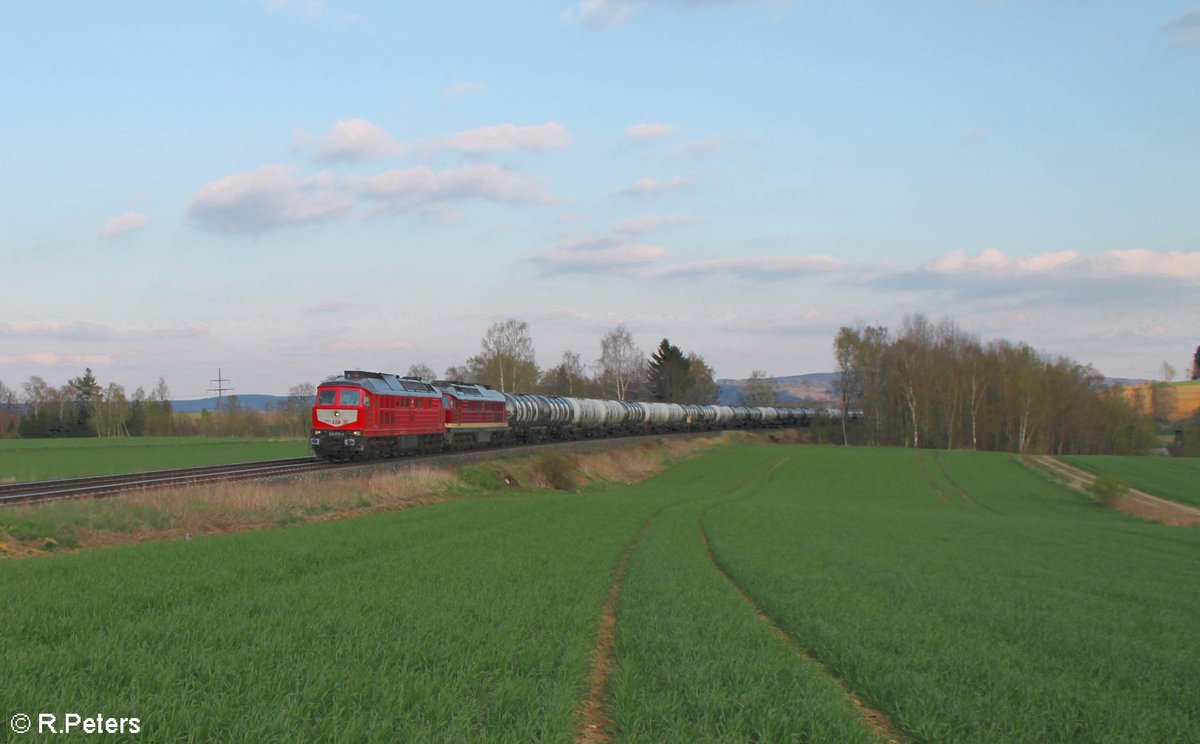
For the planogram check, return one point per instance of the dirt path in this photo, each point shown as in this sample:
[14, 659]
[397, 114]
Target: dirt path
[595, 723]
[1135, 503]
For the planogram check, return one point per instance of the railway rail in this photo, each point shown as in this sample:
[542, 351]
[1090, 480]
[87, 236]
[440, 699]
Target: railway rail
[101, 486]
[109, 485]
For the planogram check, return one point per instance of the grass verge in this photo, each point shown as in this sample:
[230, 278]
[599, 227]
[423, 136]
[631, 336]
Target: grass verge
[253, 505]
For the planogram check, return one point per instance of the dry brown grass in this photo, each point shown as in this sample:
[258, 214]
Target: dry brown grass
[180, 513]
[1154, 512]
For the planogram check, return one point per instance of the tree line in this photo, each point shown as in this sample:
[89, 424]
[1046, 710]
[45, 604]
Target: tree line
[85, 408]
[506, 362]
[934, 385]
[925, 385]
[622, 371]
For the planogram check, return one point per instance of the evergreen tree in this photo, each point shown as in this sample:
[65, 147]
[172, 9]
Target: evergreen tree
[87, 395]
[668, 374]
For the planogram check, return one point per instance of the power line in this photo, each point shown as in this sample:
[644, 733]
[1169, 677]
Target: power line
[220, 389]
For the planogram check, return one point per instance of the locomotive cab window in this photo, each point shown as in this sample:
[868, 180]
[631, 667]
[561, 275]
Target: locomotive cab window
[325, 397]
[349, 397]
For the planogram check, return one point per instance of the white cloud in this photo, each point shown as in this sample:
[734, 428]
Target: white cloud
[598, 257]
[301, 139]
[600, 14]
[1124, 263]
[1153, 329]
[86, 330]
[348, 345]
[649, 223]
[958, 262]
[621, 251]
[1141, 262]
[333, 306]
[465, 87]
[644, 132]
[51, 359]
[699, 149]
[1010, 320]
[265, 199]
[652, 187]
[422, 186]
[1184, 29]
[123, 223]
[1046, 261]
[757, 268]
[550, 135]
[358, 139]
[778, 322]
[605, 14]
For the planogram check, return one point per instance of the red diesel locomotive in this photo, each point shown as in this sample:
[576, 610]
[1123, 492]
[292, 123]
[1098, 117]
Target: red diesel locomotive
[363, 415]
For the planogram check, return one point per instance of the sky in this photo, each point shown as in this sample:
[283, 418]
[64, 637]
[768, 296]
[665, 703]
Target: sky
[283, 190]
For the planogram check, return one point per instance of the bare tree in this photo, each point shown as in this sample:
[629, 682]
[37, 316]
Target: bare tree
[506, 360]
[36, 393]
[913, 358]
[620, 362]
[702, 388]
[759, 390]
[1168, 371]
[460, 373]
[8, 396]
[568, 377]
[422, 371]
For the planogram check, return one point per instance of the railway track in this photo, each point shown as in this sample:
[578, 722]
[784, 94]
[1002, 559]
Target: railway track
[109, 485]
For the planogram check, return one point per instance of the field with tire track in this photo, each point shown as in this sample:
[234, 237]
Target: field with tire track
[757, 592]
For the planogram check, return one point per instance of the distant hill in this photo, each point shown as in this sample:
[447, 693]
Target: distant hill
[1125, 381]
[816, 387]
[248, 403]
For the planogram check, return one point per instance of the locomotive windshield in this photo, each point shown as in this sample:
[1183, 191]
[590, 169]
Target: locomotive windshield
[326, 397]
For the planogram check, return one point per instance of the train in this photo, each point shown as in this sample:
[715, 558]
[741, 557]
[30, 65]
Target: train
[364, 415]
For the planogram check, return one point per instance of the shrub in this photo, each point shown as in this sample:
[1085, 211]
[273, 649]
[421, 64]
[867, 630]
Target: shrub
[561, 471]
[1107, 489]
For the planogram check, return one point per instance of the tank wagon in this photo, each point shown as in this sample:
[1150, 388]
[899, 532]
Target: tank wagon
[363, 415]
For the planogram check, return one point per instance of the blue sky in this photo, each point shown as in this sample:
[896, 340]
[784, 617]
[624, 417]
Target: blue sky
[288, 189]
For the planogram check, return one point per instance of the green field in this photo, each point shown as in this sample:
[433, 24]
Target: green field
[1175, 478]
[45, 459]
[963, 596]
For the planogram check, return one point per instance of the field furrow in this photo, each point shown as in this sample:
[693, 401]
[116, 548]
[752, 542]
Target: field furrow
[755, 593]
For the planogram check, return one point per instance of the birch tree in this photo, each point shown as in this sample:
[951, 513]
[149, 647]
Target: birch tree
[621, 363]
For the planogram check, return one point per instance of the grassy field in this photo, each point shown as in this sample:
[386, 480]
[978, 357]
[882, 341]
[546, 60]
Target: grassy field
[1185, 398]
[962, 596]
[973, 600]
[45, 459]
[1175, 478]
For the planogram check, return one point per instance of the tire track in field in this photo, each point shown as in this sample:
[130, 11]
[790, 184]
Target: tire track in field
[966, 495]
[875, 719]
[595, 722]
[929, 481]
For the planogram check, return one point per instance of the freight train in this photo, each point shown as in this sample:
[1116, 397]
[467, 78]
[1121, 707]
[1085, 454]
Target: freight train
[366, 415]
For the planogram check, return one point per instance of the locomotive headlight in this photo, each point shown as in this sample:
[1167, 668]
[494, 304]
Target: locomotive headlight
[358, 433]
